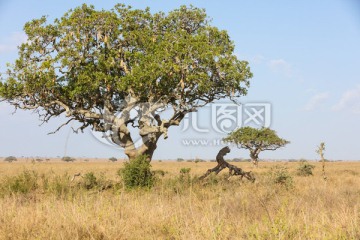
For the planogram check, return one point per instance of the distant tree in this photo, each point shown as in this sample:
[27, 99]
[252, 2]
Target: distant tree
[180, 160]
[95, 67]
[320, 150]
[256, 140]
[10, 159]
[68, 159]
[113, 159]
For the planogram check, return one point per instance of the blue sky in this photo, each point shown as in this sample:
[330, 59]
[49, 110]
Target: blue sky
[305, 57]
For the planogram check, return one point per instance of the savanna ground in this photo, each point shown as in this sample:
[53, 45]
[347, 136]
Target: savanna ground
[39, 201]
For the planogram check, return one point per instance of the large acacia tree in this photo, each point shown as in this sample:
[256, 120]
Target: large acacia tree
[95, 67]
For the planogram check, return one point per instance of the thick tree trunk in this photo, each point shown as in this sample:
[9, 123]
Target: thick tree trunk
[147, 148]
[222, 164]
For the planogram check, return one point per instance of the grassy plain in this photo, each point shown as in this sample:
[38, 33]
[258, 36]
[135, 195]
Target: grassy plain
[53, 207]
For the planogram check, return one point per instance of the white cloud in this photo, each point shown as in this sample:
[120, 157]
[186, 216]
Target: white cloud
[10, 43]
[350, 100]
[316, 101]
[258, 59]
[281, 66]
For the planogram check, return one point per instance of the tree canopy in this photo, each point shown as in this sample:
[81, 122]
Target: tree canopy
[95, 66]
[256, 140]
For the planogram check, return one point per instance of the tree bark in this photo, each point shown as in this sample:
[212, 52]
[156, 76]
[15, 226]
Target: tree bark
[222, 164]
[254, 157]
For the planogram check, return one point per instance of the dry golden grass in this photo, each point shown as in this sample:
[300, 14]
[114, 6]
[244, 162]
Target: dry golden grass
[216, 209]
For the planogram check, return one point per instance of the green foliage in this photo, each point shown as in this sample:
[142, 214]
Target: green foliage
[88, 60]
[112, 159]
[137, 173]
[250, 138]
[279, 175]
[256, 140]
[23, 183]
[10, 159]
[185, 170]
[68, 159]
[305, 169]
[89, 181]
[185, 177]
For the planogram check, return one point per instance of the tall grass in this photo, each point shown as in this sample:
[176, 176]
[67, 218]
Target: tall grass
[42, 202]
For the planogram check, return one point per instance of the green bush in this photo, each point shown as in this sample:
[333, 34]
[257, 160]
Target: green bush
[25, 182]
[137, 173]
[113, 159]
[185, 171]
[89, 181]
[305, 169]
[10, 159]
[185, 177]
[180, 160]
[280, 175]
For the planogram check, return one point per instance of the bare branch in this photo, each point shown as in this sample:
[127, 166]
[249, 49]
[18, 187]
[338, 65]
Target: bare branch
[62, 125]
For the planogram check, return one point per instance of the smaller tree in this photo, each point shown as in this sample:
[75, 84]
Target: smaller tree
[256, 140]
[320, 150]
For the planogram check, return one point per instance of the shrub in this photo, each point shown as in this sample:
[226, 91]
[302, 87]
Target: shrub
[305, 169]
[180, 160]
[137, 173]
[10, 159]
[185, 170]
[279, 175]
[185, 177]
[89, 181]
[113, 159]
[25, 182]
[68, 159]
